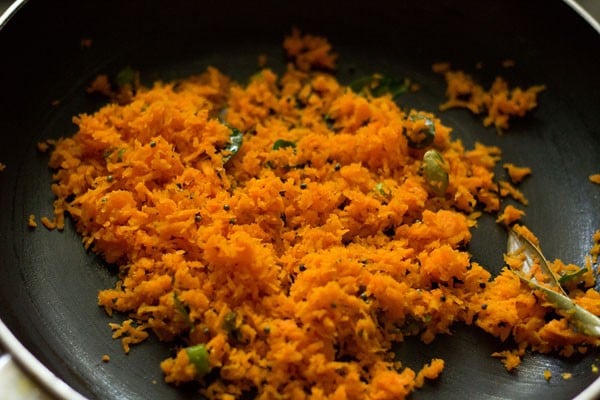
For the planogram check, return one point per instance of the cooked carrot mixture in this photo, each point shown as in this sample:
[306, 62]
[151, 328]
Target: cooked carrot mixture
[500, 102]
[286, 232]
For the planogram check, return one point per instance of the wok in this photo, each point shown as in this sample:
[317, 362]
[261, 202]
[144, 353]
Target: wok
[49, 283]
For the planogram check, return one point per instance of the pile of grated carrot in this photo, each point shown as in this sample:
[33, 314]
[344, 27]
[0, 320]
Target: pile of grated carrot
[297, 258]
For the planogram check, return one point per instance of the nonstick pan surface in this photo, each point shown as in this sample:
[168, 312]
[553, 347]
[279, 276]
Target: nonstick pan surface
[49, 283]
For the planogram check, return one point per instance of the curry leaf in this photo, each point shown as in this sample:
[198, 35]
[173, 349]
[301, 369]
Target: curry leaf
[518, 245]
[583, 320]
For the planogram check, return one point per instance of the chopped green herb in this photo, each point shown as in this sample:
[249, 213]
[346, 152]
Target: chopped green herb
[229, 321]
[182, 309]
[378, 85]
[282, 144]
[435, 172]
[153, 144]
[230, 326]
[198, 356]
[120, 154]
[383, 190]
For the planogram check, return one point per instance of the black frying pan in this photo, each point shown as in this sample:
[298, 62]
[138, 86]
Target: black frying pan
[48, 283]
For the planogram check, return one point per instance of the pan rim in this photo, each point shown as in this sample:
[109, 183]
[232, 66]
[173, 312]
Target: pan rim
[34, 368]
[586, 14]
[58, 388]
[10, 11]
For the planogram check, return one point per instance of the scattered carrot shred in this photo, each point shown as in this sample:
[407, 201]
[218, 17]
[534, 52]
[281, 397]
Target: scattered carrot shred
[48, 223]
[595, 178]
[510, 215]
[31, 221]
[510, 358]
[43, 147]
[517, 174]
[507, 189]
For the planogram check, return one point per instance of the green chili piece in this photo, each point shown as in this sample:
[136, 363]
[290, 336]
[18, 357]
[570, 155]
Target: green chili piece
[435, 172]
[198, 356]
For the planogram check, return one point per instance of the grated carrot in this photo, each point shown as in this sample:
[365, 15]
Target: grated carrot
[300, 258]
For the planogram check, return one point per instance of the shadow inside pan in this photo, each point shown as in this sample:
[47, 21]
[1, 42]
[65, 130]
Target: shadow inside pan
[49, 283]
